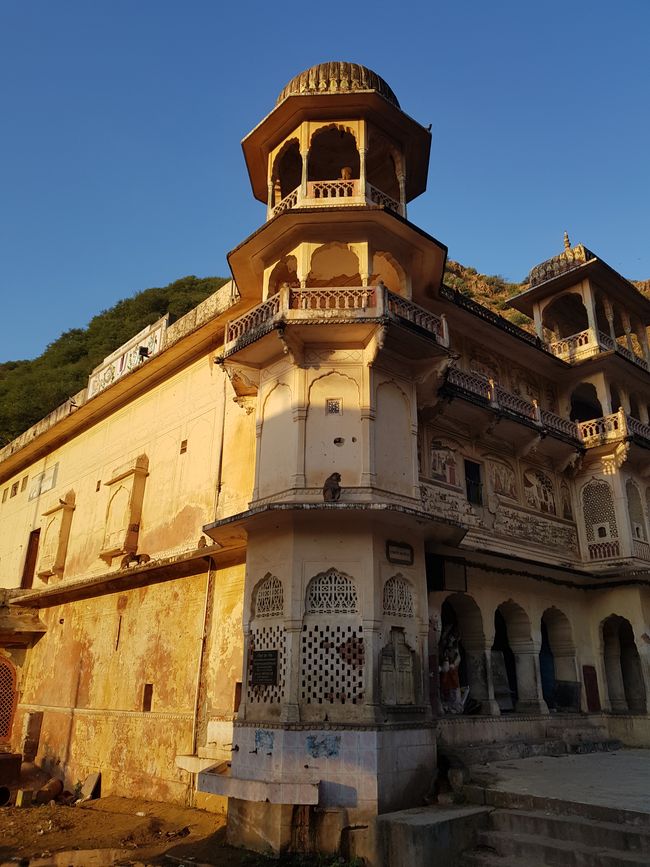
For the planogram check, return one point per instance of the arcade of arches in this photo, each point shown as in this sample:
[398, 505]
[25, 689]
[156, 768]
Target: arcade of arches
[501, 662]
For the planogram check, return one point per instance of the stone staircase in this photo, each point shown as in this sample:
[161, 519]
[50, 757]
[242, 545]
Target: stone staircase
[517, 837]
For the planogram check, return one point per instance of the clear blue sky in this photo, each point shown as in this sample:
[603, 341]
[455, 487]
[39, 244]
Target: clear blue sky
[120, 162]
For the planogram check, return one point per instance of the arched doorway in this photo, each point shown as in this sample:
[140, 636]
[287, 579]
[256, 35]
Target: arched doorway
[561, 686]
[7, 699]
[462, 622]
[625, 685]
[515, 661]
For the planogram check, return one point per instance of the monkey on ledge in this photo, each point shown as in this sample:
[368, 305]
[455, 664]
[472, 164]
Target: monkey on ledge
[332, 488]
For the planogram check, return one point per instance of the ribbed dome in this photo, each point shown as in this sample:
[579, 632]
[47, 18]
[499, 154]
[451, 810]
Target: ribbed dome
[338, 77]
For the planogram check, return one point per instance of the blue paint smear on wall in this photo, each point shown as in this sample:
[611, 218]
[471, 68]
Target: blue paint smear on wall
[323, 745]
[264, 740]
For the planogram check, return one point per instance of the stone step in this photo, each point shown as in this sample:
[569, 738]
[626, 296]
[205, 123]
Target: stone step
[483, 857]
[480, 754]
[609, 835]
[537, 850]
[484, 796]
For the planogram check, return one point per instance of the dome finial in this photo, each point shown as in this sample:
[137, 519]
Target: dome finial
[567, 242]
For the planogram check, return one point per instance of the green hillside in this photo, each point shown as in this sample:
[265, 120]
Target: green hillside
[31, 389]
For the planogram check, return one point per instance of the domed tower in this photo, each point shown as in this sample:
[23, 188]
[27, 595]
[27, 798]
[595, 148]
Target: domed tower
[340, 333]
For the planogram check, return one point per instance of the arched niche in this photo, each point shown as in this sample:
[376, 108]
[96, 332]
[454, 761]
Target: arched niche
[599, 515]
[332, 650]
[566, 315]
[266, 635]
[635, 511]
[332, 152]
[625, 685]
[333, 264]
[333, 435]
[393, 440]
[284, 272]
[539, 491]
[386, 268]
[461, 615]
[279, 443]
[515, 661]
[286, 172]
[557, 661]
[585, 404]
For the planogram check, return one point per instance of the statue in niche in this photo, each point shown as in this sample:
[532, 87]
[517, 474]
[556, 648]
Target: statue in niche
[397, 671]
[332, 488]
[449, 654]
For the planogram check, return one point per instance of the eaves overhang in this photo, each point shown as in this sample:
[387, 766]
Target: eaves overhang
[285, 231]
[369, 105]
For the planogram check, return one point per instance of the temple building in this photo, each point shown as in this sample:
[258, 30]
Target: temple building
[283, 551]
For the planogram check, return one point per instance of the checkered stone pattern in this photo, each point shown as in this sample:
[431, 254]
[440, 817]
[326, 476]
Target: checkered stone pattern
[598, 508]
[332, 663]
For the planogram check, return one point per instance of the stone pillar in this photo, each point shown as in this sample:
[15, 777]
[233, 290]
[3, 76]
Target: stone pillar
[529, 681]
[590, 305]
[269, 201]
[305, 169]
[609, 315]
[401, 180]
[300, 418]
[479, 673]
[627, 326]
[615, 686]
[290, 712]
[539, 326]
[362, 171]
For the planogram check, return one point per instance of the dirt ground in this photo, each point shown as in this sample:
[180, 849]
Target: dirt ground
[124, 831]
[138, 833]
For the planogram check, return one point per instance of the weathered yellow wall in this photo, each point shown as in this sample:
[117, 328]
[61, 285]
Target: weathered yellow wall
[179, 494]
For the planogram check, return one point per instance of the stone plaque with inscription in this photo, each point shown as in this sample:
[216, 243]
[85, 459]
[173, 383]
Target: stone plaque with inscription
[264, 669]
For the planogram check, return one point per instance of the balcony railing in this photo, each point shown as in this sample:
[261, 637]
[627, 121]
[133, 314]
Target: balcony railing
[342, 303]
[604, 550]
[500, 398]
[598, 431]
[588, 343]
[338, 191]
[641, 549]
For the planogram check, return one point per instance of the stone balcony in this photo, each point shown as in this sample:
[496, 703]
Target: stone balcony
[335, 192]
[339, 305]
[500, 400]
[588, 343]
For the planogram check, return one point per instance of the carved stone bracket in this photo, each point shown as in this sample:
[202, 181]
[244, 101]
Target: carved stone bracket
[244, 380]
[612, 462]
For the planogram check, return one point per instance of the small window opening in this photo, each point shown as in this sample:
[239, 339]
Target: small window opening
[334, 406]
[14, 489]
[473, 482]
[5, 494]
[237, 700]
[183, 447]
[23, 484]
[147, 697]
[602, 531]
[98, 485]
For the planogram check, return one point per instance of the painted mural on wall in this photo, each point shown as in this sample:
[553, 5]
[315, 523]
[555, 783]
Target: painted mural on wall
[444, 465]
[502, 480]
[539, 491]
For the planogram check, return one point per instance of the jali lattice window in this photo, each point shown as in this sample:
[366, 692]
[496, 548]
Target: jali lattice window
[269, 598]
[398, 598]
[7, 698]
[598, 510]
[331, 592]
